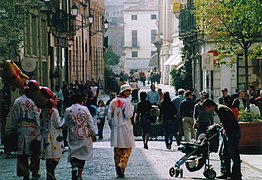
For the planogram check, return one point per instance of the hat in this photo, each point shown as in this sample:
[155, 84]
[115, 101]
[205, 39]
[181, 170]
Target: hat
[225, 89]
[180, 90]
[125, 87]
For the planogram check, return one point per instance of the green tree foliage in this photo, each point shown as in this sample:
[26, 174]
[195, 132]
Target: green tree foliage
[235, 26]
[111, 58]
[12, 21]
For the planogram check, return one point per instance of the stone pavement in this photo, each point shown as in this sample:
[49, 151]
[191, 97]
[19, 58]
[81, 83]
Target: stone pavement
[152, 164]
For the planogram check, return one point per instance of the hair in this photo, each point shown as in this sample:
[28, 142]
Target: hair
[188, 93]
[166, 96]
[99, 101]
[208, 103]
[181, 91]
[143, 96]
[152, 85]
[252, 100]
[77, 98]
[227, 101]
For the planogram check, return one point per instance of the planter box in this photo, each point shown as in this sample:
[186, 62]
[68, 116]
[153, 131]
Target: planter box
[251, 137]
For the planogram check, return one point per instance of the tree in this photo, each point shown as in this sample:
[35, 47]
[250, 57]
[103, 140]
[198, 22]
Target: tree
[234, 26]
[13, 15]
[111, 58]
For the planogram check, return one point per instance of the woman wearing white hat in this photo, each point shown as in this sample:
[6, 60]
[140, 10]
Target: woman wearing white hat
[122, 138]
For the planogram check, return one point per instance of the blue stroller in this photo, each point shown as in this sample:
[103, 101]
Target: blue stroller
[197, 153]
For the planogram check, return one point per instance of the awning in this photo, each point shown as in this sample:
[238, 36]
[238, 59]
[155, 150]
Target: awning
[137, 64]
[181, 65]
[154, 60]
[177, 61]
[170, 59]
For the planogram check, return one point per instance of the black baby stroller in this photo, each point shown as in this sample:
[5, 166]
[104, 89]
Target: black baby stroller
[198, 153]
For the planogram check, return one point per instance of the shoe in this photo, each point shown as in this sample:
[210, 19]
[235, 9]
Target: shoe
[36, 177]
[51, 176]
[168, 147]
[145, 146]
[119, 172]
[223, 176]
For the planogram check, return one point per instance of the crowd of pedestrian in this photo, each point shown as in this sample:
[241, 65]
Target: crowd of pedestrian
[73, 107]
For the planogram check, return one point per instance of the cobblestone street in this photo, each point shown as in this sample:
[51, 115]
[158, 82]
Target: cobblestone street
[152, 164]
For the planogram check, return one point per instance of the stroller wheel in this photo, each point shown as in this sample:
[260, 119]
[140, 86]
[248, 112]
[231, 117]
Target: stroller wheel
[210, 174]
[172, 171]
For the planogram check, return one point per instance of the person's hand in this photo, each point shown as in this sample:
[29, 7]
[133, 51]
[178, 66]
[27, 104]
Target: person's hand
[196, 125]
[94, 138]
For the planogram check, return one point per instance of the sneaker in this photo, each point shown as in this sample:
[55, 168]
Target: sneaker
[223, 176]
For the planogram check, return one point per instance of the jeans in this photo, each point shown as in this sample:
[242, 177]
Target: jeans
[169, 126]
[231, 152]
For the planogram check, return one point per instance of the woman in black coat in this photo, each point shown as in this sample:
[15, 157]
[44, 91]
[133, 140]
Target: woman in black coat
[167, 115]
[143, 112]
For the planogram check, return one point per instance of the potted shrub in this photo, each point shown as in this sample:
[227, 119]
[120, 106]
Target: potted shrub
[251, 133]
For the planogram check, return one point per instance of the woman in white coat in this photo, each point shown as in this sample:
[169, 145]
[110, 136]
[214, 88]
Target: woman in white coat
[52, 143]
[122, 138]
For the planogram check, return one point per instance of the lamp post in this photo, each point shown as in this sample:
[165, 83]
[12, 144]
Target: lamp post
[158, 45]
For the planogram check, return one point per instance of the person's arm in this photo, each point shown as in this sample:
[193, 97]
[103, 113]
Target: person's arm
[129, 110]
[56, 119]
[196, 113]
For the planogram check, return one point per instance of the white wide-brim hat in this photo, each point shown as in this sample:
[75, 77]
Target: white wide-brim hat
[125, 87]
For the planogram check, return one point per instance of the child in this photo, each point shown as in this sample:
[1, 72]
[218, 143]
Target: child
[100, 118]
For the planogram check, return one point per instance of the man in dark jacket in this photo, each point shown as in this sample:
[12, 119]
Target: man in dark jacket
[186, 111]
[232, 133]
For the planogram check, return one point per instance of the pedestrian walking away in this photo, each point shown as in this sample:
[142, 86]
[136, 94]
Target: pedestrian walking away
[52, 142]
[179, 126]
[143, 115]
[25, 115]
[186, 111]
[81, 134]
[120, 112]
[168, 117]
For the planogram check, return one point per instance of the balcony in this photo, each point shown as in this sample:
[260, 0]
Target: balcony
[187, 23]
[134, 45]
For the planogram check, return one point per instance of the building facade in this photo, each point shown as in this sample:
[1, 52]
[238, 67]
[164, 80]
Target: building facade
[140, 30]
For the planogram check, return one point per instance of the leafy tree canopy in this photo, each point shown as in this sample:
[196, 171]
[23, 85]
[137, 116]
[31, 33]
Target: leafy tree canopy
[233, 25]
[12, 21]
[111, 58]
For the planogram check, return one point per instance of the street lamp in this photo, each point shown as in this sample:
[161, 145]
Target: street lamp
[158, 45]
[74, 10]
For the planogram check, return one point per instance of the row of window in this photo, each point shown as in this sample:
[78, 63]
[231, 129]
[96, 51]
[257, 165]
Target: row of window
[134, 37]
[134, 17]
[135, 53]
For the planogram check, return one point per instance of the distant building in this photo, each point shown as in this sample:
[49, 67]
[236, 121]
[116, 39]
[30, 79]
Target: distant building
[114, 15]
[140, 30]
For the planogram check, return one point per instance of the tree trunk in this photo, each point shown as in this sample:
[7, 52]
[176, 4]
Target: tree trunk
[246, 72]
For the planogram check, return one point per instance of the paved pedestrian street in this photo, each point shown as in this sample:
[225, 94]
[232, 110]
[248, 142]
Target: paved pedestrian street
[152, 164]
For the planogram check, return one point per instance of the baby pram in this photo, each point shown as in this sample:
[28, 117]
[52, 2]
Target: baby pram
[197, 153]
